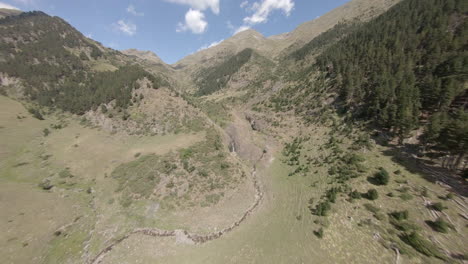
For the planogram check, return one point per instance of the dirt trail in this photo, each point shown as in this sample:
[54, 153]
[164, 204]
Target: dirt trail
[193, 237]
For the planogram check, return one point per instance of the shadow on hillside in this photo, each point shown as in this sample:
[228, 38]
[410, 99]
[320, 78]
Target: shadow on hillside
[406, 156]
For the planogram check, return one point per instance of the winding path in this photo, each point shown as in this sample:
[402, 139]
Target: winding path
[195, 238]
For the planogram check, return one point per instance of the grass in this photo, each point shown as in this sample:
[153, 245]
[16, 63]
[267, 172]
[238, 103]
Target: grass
[273, 225]
[204, 167]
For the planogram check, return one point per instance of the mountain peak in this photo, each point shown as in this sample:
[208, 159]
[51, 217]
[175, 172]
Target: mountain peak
[248, 33]
[143, 54]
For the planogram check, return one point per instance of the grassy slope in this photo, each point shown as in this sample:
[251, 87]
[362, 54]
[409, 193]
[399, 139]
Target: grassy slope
[281, 231]
[27, 157]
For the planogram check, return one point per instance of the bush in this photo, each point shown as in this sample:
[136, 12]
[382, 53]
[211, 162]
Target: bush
[404, 225]
[319, 233]
[103, 109]
[400, 215]
[449, 196]
[46, 132]
[331, 194]
[322, 208]
[438, 206]
[372, 194]
[355, 195]
[36, 113]
[422, 245]
[440, 225]
[381, 177]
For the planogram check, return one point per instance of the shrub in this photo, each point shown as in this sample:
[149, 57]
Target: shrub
[36, 113]
[372, 194]
[381, 177]
[438, 206]
[422, 245]
[319, 233]
[322, 208]
[404, 225]
[331, 194]
[400, 215]
[440, 225]
[103, 109]
[355, 195]
[46, 132]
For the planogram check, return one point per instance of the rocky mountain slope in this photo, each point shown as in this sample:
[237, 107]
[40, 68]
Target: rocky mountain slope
[273, 46]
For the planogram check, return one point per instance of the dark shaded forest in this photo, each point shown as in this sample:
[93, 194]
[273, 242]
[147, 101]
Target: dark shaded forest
[216, 78]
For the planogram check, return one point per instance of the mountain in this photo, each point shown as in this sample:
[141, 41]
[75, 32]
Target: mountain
[355, 10]
[273, 46]
[8, 12]
[209, 57]
[343, 141]
[144, 55]
[47, 62]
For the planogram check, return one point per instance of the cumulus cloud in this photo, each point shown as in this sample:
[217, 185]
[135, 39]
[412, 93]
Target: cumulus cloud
[212, 44]
[194, 21]
[244, 4]
[131, 9]
[199, 4]
[262, 10]
[126, 27]
[7, 6]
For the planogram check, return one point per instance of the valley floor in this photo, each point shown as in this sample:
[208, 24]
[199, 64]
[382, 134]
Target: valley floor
[80, 216]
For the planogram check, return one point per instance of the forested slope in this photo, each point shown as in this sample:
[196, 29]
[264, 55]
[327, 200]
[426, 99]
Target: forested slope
[405, 70]
[54, 63]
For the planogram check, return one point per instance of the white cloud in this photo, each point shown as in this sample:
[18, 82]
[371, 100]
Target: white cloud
[215, 43]
[194, 21]
[241, 28]
[262, 10]
[131, 9]
[126, 27]
[244, 4]
[90, 36]
[199, 4]
[7, 6]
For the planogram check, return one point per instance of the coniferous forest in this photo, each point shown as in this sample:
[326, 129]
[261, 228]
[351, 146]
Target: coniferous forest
[53, 75]
[408, 69]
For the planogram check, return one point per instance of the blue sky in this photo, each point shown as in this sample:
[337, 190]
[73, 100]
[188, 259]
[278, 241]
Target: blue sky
[174, 29]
